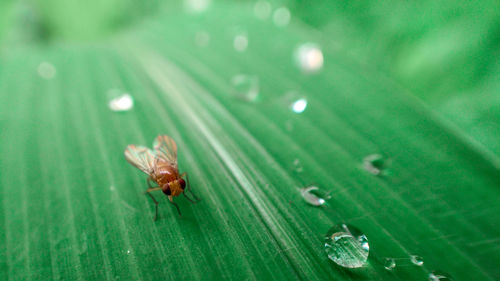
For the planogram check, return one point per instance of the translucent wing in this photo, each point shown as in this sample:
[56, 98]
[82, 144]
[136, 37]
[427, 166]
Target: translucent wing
[141, 157]
[166, 149]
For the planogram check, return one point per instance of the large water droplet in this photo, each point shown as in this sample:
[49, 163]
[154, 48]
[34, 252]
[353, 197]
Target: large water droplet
[46, 70]
[309, 57]
[246, 87]
[417, 260]
[281, 17]
[439, 276]
[202, 38]
[314, 195]
[262, 9]
[120, 101]
[375, 164]
[347, 246]
[240, 42]
[389, 264]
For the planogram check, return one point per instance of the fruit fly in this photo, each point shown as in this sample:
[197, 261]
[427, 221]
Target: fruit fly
[161, 166]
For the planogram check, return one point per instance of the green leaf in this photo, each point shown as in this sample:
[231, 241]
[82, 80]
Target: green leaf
[74, 209]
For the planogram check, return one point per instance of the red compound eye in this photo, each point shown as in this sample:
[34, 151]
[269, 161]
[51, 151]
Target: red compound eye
[182, 183]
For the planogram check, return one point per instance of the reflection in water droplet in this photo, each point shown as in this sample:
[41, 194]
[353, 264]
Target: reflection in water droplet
[417, 260]
[314, 195]
[202, 38]
[262, 9]
[299, 105]
[240, 42]
[297, 166]
[347, 246]
[389, 263]
[196, 6]
[124, 102]
[281, 17]
[375, 164]
[46, 70]
[309, 57]
[439, 276]
[246, 87]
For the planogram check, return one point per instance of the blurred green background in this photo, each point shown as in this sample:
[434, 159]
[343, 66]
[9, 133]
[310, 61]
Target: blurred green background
[417, 83]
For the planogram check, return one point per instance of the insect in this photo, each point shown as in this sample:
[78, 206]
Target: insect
[161, 166]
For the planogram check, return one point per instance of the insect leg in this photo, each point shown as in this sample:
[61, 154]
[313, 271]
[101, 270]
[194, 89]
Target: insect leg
[189, 187]
[190, 200]
[175, 204]
[148, 181]
[156, 203]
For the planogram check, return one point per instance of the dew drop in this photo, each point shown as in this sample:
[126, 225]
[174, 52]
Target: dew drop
[202, 38]
[246, 87]
[309, 57]
[281, 17]
[315, 196]
[262, 9]
[128, 252]
[123, 102]
[46, 70]
[375, 164]
[297, 166]
[347, 246]
[439, 276]
[389, 264]
[417, 260]
[240, 42]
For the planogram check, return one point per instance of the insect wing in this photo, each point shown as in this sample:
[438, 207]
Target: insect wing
[141, 157]
[166, 149]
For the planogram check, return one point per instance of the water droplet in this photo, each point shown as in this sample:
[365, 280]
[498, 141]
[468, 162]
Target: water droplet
[389, 263]
[309, 57]
[46, 70]
[202, 38]
[417, 260]
[298, 106]
[128, 252]
[240, 42]
[297, 166]
[124, 102]
[196, 6]
[347, 246]
[262, 9]
[439, 276]
[375, 164]
[314, 195]
[246, 86]
[281, 17]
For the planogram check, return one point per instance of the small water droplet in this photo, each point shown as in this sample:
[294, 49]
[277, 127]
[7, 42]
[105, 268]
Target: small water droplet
[246, 87]
[389, 263]
[196, 6]
[314, 195]
[46, 70]
[297, 166]
[281, 16]
[417, 260]
[123, 102]
[299, 105]
[202, 38]
[128, 252]
[309, 57]
[375, 164]
[439, 276]
[262, 9]
[240, 42]
[347, 246]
